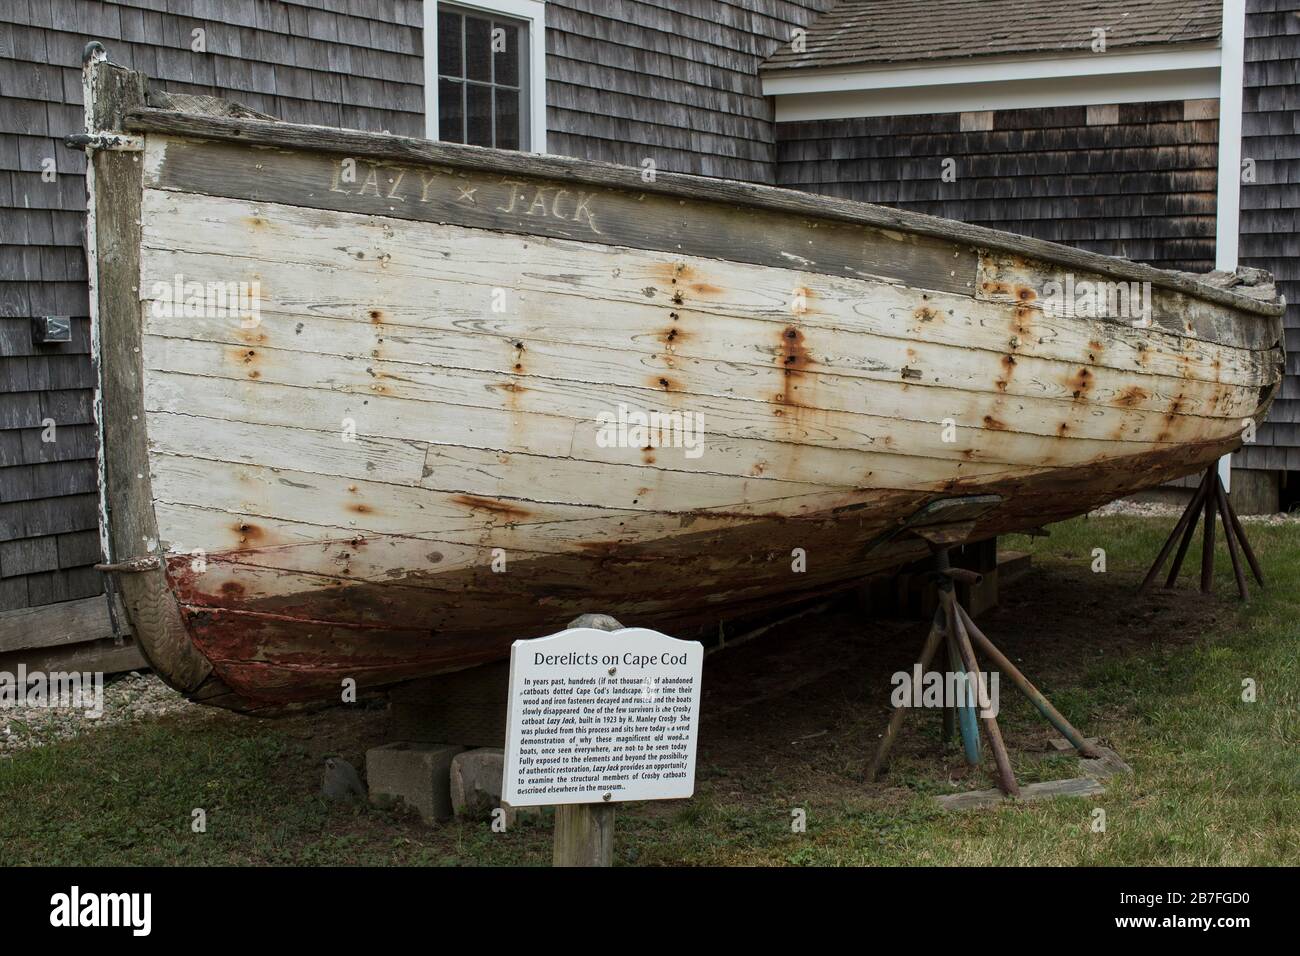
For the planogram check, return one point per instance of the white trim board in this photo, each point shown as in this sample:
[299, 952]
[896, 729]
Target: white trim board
[531, 11]
[1230, 95]
[1228, 223]
[1023, 94]
[1077, 80]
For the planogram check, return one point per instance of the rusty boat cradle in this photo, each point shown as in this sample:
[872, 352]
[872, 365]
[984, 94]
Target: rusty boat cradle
[380, 456]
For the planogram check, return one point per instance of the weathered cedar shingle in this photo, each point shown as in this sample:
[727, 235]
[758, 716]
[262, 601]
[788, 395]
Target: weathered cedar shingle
[13, 593]
[672, 82]
[1143, 188]
[63, 585]
[1269, 220]
[28, 556]
[71, 442]
[78, 548]
[47, 516]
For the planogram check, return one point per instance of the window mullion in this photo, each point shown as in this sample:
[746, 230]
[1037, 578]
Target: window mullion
[464, 79]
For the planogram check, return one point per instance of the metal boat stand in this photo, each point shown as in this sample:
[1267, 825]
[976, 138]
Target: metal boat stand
[1210, 494]
[953, 628]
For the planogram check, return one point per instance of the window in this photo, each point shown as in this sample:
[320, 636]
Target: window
[484, 73]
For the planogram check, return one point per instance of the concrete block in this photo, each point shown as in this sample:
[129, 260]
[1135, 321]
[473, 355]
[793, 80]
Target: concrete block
[416, 774]
[476, 779]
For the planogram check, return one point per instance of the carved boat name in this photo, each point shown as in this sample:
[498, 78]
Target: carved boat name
[508, 196]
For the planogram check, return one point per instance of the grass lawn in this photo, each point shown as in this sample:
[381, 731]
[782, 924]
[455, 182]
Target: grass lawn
[1159, 678]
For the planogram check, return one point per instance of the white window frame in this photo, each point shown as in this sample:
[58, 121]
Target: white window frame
[532, 12]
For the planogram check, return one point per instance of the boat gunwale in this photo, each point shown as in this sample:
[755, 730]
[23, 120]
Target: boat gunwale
[395, 148]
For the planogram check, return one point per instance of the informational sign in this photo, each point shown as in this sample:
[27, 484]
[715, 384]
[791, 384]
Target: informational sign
[602, 716]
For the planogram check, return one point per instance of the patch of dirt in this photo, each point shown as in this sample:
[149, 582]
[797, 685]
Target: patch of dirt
[808, 701]
[799, 708]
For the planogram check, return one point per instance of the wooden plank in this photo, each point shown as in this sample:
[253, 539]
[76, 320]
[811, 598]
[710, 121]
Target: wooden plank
[51, 625]
[837, 454]
[491, 473]
[982, 799]
[537, 569]
[817, 402]
[104, 656]
[385, 148]
[527, 204]
[223, 439]
[367, 507]
[573, 428]
[1107, 765]
[446, 277]
[482, 603]
[1015, 279]
[312, 547]
[1109, 403]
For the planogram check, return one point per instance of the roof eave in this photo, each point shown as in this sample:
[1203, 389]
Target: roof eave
[1143, 58]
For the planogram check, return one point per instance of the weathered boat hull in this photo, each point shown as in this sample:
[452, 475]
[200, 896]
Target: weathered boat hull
[411, 455]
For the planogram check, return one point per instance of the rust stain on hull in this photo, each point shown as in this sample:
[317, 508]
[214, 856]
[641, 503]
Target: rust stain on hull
[493, 506]
[294, 647]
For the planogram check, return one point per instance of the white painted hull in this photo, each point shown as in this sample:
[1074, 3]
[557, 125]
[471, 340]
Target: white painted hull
[404, 463]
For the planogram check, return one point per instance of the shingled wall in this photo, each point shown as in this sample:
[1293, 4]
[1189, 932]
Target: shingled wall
[675, 81]
[354, 64]
[1270, 206]
[1134, 180]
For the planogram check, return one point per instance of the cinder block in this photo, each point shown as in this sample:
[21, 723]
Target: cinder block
[476, 780]
[416, 774]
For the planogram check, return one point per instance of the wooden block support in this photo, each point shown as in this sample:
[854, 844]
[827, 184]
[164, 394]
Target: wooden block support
[978, 799]
[1013, 565]
[913, 593]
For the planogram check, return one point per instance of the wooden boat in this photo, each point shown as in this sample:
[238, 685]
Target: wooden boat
[421, 443]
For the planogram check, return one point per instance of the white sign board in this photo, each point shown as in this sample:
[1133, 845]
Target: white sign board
[602, 716]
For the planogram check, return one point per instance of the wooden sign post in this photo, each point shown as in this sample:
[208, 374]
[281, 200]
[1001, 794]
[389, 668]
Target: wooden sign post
[600, 714]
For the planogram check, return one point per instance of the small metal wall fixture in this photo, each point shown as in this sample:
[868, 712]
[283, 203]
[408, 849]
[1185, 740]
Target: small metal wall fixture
[51, 329]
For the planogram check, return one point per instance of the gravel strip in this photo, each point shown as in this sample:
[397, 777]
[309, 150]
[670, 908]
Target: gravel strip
[127, 698]
[1137, 509]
